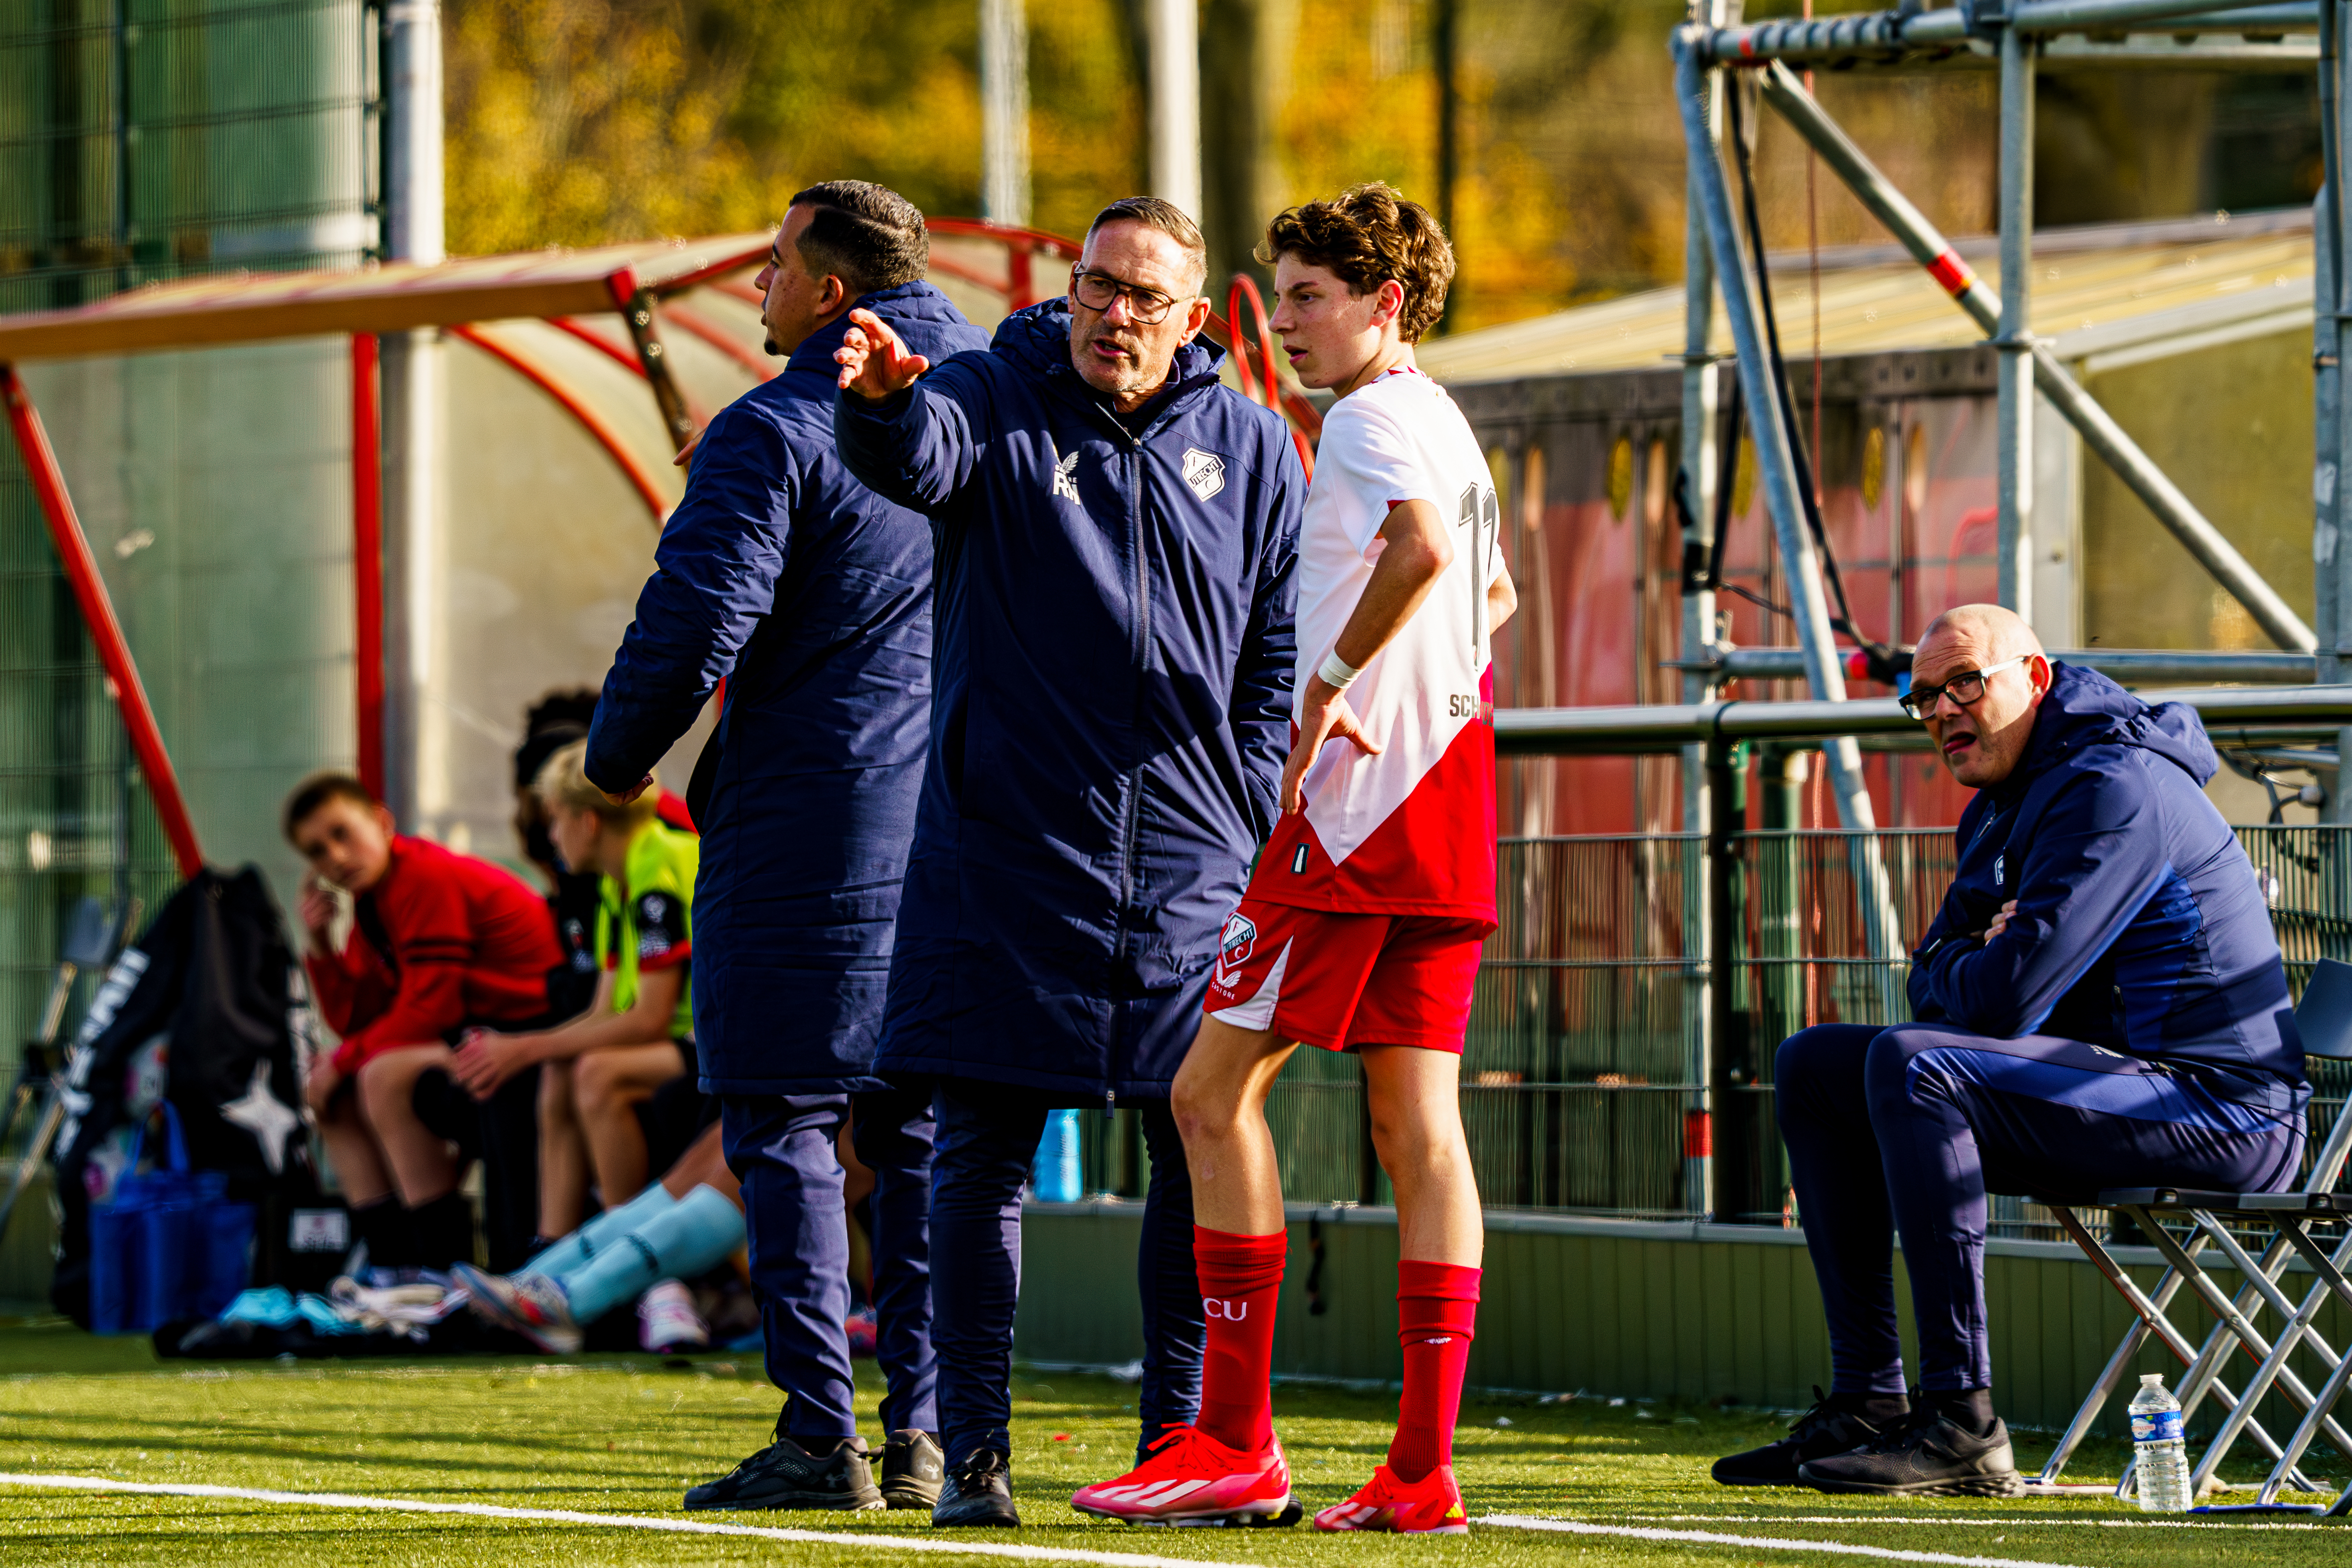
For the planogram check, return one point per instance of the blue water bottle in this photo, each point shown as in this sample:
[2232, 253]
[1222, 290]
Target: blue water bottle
[1054, 1176]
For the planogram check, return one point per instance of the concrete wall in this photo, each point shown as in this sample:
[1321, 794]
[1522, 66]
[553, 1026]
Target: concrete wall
[1677, 1311]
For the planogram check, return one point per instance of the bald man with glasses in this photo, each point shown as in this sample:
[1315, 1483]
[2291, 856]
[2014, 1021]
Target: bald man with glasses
[2100, 1003]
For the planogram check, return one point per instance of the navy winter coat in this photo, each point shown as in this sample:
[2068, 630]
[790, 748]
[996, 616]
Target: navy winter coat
[2140, 925]
[1115, 652]
[813, 593]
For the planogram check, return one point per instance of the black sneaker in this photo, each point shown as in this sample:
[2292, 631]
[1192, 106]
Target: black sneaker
[912, 1468]
[1927, 1456]
[977, 1491]
[785, 1475]
[1819, 1433]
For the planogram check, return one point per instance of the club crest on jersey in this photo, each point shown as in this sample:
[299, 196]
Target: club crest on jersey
[1235, 944]
[1204, 472]
[1065, 478]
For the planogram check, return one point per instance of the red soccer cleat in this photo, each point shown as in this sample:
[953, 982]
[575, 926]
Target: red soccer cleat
[1429, 1506]
[1193, 1479]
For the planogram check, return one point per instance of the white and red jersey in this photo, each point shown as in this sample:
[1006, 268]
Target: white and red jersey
[1411, 830]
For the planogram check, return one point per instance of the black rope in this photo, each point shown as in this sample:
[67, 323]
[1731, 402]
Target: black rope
[1884, 661]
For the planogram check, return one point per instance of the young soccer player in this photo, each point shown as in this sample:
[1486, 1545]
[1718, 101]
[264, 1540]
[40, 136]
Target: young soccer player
[639, 1033]
[1363, 923]
[441, 942]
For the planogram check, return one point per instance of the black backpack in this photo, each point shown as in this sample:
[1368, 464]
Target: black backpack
[215, 975]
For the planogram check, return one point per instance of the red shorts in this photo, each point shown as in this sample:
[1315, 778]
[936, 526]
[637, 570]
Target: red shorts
[1339, 981]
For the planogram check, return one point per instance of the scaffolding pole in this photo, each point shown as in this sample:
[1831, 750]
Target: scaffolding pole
[2098, 428]
[2331, 285]
[1700, 383]
[2015, 338]
[1775, 477]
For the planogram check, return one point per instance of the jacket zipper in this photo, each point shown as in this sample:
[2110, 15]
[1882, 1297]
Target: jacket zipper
[1131, 824]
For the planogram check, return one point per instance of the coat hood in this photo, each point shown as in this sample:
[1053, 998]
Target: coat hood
[2084, 709]
[1037, 339]
[927, 318]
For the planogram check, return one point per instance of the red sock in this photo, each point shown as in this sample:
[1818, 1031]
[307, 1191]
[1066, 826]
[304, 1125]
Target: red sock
[1437, 1317]
[1241, 1276]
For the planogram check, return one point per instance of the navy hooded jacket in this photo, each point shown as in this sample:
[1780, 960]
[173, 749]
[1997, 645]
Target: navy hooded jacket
[1115, 647]
[814, 594]
[2140, 925]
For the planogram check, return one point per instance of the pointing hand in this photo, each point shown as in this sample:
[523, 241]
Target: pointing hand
[875, 362]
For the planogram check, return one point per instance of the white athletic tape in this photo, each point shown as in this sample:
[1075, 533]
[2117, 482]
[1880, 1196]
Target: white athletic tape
[1766, 1543]
[864, 1540]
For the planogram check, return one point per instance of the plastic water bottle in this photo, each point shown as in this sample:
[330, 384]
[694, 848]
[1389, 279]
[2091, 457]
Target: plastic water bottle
[1054, 1176]
[2160, 1453]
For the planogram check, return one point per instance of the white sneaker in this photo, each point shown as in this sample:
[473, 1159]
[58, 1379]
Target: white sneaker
[667, 1319]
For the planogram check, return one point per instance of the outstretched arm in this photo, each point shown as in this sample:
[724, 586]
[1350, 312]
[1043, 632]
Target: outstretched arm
[910, 433]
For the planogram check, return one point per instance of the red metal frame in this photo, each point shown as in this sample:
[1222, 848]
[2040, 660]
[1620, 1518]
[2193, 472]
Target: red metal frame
[1272, 393]
[367, 556]
[97, 614]
[606, 437]
[620, 354]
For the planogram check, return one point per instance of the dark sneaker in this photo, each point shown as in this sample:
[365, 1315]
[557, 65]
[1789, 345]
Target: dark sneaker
[912, 1469]
[1927, 1456]
[784, 1474]
[977, 1491]
[1819, 1433]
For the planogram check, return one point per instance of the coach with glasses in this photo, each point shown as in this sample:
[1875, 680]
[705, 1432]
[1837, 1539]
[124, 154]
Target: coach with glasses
[2100, 1003]
[1116, 533]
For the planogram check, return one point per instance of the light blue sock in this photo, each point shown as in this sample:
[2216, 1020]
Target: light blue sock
[689, 1237]
[569, 1254]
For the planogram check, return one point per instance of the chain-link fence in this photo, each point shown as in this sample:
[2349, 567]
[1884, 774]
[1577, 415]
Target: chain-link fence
[1585, 1055]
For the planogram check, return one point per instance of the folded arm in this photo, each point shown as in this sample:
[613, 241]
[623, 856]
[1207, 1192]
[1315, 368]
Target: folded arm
[2095, 859]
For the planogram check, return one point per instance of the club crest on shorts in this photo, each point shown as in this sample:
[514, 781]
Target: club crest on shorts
[1204, 472]
[1236, 943]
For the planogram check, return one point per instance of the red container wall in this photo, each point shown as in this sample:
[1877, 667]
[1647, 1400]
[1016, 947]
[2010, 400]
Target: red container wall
[1586, 467]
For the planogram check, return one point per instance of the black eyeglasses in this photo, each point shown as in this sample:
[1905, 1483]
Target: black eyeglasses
[1965, 689]
[1096, 290]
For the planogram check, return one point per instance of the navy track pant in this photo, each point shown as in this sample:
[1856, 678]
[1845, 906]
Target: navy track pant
[988, 1137]
[1909, 1127]
[781, 1147]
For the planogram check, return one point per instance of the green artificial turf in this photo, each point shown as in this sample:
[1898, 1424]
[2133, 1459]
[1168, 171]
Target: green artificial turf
[626, 1435]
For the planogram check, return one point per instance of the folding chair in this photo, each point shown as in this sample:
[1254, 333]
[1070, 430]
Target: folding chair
[2323, 1019]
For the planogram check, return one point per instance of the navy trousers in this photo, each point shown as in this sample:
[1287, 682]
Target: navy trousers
[988, 1136]
[1908, 1128]
[781, 1147]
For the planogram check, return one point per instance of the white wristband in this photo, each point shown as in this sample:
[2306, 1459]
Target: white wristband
[1337, 672]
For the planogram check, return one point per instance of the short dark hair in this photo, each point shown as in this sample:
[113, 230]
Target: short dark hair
[1167, 217]
[868, 235]
[317, 790]
[1367, 236]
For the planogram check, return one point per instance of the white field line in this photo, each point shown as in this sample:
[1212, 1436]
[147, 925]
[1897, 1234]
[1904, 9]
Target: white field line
[1764, 1542]
[1988, 1521]
[961, 1546]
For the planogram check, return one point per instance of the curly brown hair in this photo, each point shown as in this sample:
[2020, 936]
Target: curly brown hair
[1367, 236]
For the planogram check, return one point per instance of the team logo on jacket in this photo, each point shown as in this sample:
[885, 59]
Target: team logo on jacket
[1204, 472]
[1235, 944]
[1065, 476]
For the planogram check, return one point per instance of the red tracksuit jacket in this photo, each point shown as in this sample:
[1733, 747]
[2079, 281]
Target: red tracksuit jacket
[444, 940]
